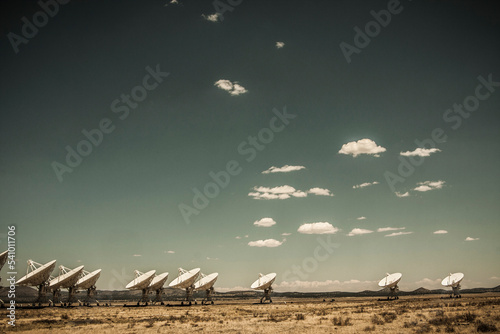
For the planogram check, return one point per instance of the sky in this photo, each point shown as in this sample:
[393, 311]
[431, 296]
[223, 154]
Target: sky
[328, 142]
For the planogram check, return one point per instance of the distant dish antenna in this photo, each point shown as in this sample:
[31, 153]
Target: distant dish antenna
[264, 282]
[390, 282]
[206, 282]
[87, 281]
[453, 281]
[67, 279]
[157, 286]
[38, 275]
[185, 280]
[141, 282]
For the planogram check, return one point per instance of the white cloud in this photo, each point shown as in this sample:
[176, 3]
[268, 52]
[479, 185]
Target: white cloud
[361, 218]
[264, 222]
[395, 234]
[363, 185]
[406, 194]
[359, 231]
[232, 88]
[471, 239]
[387, 229]
[362, 146]
[212, 258]
[421, 152]
[284, 169]
[279, 45]
[237, 237]
[212, 17]
[285, 192]
[429, 185]
[440, 232]
[266, 243]
[136, 255]
[320, 191]
[170, 252]
[285, 234]
[429, 283]
[246, 236]
[172, 2]
[317, 228]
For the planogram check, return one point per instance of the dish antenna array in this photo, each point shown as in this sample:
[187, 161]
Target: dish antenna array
[87, 282]
[38, 275]
[206, 282]
[185, 280]
[3, 259]
[67, 279]
[264, 282]
[390, 282]
[141, 282]
[453, 281]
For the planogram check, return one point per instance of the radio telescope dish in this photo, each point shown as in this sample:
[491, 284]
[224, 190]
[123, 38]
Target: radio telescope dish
[390, 282]
[206, 282]
[453, 281]
[141, 282]
[185, 280]
[157, 286]
[264, 282]
[87, 282]
[38, 275]
[67, 279]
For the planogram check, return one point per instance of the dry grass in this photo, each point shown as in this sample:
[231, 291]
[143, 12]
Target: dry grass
[473, 313]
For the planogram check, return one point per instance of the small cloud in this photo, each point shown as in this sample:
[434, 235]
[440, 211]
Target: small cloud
[232, 88]
[440, 232]
[212, 258]
[359, 231]
[237, 237]
[421, 152]
[363, 185]
[494, 277]
[320, 192]
[285, 192]
[395, 234]
[406, 194]
[78, 261]
[387, 229]
[172, 2]
[264, 222]
[136, 255]
[471, 239]
[429, 185]
[246, 236]
[284, 169]
[362, 146]
[285, 234]
[212, 17]
[279, 45]
[361, 218]
[317, 228]
[266, 243]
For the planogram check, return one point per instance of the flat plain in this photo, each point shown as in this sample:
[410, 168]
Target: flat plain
[409, 314]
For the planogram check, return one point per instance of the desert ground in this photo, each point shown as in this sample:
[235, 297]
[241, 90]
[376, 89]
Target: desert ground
[409, 314]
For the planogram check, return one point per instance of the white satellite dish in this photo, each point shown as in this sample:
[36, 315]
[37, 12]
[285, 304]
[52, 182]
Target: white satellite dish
[67, 279]
[264, 282]
[206, 282]
[185, 280]
[38, 275]
[141, 282]
[87, 282]
[453, 281]
[390, 282]
[157, 286]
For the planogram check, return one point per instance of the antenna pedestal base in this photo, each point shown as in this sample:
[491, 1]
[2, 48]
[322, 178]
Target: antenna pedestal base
[189, 296]
[42, 297]
[158, 298]
[393, 293]
[208, 298]
[267, 293]
[456, 292]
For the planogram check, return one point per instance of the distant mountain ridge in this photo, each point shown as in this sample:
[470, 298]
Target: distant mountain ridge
[26, 294]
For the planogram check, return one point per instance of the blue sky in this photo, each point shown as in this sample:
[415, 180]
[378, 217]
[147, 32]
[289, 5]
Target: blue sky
[251, 141]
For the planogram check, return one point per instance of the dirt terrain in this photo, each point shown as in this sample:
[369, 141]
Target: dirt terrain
[426, 314]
